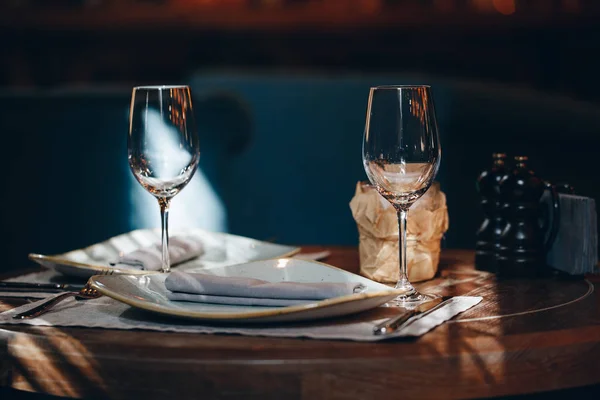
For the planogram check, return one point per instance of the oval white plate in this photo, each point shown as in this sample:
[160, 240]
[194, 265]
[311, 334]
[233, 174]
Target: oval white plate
[148, 292]
[220, 249]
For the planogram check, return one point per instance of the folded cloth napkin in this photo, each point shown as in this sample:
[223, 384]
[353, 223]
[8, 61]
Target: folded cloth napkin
[203, 288]
[181, 248]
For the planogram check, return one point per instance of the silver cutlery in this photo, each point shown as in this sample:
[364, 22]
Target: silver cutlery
[86, 293]
[39, 287]
[392, 324]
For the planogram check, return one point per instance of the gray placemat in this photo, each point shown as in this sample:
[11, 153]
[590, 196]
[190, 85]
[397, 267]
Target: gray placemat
[107, 313]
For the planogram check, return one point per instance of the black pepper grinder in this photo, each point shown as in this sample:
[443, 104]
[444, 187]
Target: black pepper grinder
[488, 235]
[524, 242]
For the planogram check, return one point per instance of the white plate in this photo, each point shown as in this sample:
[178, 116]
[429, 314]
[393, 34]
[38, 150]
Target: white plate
[220, 249]
[148, 292]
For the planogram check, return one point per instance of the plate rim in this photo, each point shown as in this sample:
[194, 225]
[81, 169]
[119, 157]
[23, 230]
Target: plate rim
[60, 260]
[57, 259]
[96, 282]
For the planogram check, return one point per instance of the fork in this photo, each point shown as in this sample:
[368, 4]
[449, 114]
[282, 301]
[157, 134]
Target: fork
[86, 293]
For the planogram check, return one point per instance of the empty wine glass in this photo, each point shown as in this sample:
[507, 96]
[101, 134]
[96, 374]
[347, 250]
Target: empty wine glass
[163, 149]
[401, 156]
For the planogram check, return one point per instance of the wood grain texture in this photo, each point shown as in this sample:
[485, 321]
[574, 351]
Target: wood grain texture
[525, 337]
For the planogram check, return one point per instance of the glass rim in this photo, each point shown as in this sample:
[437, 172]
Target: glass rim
[160, 87]
[400, 87]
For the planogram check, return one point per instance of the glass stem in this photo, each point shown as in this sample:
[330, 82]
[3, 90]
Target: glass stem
[403, 275]
[164, 219]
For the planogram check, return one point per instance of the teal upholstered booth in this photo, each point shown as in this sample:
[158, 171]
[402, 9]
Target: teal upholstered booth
[66, 178]
[299, 156]
[280, 157]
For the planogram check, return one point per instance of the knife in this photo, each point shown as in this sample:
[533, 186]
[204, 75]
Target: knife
[38, 287]
[390, 325]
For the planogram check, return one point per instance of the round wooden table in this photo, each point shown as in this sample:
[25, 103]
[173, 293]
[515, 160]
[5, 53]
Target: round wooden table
[526, 336]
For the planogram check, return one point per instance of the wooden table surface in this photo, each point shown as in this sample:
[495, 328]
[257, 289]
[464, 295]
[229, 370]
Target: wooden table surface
[526, 336]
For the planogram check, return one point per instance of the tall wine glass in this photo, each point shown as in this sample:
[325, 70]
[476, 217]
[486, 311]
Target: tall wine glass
[163, 149]
[401, 156]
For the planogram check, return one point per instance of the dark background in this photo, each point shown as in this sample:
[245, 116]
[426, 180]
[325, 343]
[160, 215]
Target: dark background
[549, 45]
[519, 76]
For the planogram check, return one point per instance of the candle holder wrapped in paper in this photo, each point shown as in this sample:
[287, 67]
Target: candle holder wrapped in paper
[378, 234]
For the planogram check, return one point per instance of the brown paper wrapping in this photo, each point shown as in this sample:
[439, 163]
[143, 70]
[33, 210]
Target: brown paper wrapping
[378, 234]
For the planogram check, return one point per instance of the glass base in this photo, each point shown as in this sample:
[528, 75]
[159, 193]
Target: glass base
[411, 299]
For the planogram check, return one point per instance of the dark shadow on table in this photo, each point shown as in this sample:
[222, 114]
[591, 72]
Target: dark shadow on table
[12, 394]
[585, 392]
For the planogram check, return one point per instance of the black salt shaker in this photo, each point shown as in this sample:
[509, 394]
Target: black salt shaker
[488, 235]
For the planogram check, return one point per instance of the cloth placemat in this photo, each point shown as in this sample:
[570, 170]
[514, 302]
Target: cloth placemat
[107, 313]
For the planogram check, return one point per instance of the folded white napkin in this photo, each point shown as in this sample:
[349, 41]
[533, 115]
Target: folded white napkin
[181, 248]
[235, 290]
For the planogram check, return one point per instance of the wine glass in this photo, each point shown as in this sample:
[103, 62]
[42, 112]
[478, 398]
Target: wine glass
[401, 156]
[163, 149]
